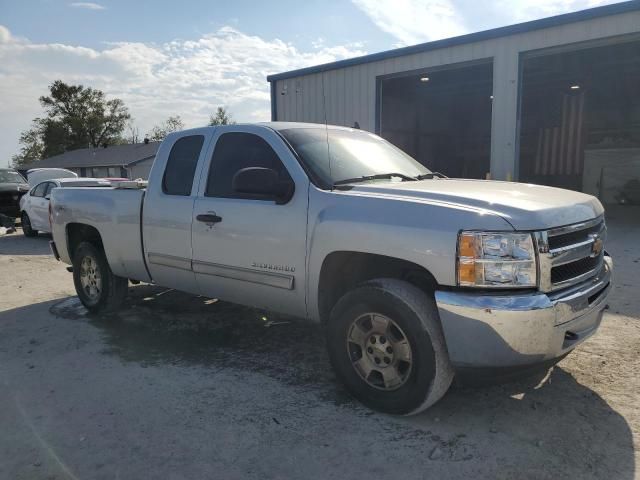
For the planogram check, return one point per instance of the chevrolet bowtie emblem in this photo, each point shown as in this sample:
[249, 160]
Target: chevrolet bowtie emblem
[597, 245]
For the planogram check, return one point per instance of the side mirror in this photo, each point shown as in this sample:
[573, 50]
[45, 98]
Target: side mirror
[263, 181]
[47, 197]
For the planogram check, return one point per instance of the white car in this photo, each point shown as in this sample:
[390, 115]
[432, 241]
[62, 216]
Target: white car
[34, 206]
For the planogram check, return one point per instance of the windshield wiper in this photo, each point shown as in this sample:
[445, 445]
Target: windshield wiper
[430, 175]
[378, 176]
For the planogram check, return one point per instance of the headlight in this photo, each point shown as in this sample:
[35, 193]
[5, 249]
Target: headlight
[488, 259]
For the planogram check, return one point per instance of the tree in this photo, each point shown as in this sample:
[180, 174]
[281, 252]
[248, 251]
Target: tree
[31, 145]
[80, 117]
[221, 117]
[134, 133]
[171, 124]
[76, 117]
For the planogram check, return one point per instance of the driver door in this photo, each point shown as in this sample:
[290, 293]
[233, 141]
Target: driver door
[255, 253]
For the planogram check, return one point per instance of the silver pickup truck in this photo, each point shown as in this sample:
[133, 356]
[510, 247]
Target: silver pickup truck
[416, 277]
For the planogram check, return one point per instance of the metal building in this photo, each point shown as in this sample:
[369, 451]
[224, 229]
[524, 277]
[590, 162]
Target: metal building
[553, 101]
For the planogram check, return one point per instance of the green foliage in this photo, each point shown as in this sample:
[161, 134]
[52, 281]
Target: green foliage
[31, 145]
[76, 117]
[221, 117]
[171, 124]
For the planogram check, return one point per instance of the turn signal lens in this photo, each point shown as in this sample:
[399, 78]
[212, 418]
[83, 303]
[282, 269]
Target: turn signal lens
[466, 245]
[466, 272]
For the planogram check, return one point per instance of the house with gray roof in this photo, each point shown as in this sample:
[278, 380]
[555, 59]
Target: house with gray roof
[127, 161]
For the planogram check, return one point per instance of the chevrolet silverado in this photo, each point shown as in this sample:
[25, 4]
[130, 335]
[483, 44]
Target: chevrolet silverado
[415, 276]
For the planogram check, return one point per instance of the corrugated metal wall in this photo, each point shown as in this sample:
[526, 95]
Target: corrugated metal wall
[350, 92]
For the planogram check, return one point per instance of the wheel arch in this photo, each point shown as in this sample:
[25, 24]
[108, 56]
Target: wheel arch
[344, 269]
[77, 233]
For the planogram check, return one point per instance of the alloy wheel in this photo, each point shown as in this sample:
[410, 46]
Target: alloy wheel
[90, 277]
[379, 351]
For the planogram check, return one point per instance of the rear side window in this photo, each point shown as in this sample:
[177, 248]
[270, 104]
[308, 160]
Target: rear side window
[181, 166]
[235, 151]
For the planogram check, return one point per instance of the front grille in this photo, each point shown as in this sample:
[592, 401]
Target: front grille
[570, 254]
[565, 272]
[570, 238]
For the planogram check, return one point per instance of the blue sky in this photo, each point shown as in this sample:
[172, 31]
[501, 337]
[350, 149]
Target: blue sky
[188, 57]
[160, 21]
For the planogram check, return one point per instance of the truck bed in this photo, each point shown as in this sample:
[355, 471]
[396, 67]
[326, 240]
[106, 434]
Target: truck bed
[114, 213]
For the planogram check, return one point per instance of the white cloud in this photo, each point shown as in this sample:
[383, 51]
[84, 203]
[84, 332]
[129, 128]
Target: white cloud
[414, 21]
[417, 21]
[186, 77]
[5, 35]
[88, 5]
[523, 10]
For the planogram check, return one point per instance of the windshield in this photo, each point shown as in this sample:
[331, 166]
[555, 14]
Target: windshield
[7, 176]
[354, 154]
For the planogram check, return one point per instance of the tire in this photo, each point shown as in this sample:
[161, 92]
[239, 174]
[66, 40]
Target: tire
[97, 287]
[26, 226]
[417, 379]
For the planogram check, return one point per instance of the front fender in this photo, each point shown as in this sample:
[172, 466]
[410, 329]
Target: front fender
[419, 232]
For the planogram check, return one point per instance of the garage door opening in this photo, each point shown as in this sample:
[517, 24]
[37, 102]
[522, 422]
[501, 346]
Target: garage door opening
[580, 121]
[441, 118]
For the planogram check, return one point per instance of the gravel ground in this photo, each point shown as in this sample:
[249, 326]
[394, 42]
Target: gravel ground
[178, 387]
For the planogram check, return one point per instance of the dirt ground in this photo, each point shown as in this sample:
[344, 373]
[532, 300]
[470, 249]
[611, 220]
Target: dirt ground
[182, 387]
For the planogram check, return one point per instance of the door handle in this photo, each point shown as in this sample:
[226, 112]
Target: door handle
[209, 218]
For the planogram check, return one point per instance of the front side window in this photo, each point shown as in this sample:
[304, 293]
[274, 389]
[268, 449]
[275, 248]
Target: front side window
[235, 151]
[334, 155]
[181, 166]
[40, 189]
[50, 186]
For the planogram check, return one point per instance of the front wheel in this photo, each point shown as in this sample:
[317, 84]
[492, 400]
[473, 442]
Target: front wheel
[26, 226]
[97, 287]
[386, 345]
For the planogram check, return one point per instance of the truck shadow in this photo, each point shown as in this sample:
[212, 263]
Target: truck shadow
[555, 413]
[17, 244]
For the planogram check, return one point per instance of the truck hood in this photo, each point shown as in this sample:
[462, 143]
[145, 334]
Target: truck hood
[525, 206]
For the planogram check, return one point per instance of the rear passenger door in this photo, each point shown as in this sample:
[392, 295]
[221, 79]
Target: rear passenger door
[255, 253]
[168, 209]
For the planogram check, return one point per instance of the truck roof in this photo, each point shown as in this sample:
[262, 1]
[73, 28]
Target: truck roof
[291, 125]
[273, 125]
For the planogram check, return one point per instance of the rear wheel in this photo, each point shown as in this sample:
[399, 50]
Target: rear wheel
[97, 287]
[386, 345]
[26, 226]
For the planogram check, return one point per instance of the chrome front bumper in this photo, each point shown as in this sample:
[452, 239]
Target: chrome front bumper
[487, 331]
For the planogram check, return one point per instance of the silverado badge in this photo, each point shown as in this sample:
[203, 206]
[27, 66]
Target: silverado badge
[272, 267]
